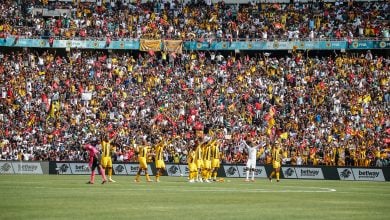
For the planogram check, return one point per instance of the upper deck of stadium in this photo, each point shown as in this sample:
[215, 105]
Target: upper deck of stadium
[206, 24]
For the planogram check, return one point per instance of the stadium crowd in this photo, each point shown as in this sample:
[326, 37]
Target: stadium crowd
[325, 110]
[196, 20]
[329, 110]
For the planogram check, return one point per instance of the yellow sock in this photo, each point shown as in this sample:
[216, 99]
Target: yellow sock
[147, 177]
[272, 174]
[137, 177]
[277, 175]
[215, 175]
[109, 172]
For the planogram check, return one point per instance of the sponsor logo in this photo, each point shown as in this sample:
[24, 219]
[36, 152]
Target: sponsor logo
[289, 172]
[27, 168]
[5, 168]
[132, 169]
[81, 168]
[64, 168]
[173, 170]
[231, 171]
[368, 174]
[258, 171]
[119, 169]
[346, 173]
[309, 172]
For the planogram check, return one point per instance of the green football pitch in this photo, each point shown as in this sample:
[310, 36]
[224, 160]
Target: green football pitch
[69, 197]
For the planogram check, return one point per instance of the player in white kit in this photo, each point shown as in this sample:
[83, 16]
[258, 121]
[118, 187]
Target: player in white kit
[251, 163]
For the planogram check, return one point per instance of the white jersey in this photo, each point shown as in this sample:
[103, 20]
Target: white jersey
[252, 153]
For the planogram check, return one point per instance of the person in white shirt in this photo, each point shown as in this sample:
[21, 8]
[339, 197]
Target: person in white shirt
[252, 153]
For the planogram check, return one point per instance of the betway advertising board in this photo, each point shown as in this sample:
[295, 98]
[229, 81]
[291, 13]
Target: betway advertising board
[363, 174]
[302, 173]
[240, 171]
[17, 167]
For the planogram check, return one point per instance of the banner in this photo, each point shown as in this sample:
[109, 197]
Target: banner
[309, 173]
[345, 174]
[6, 168]
[177, 45]
[363, 174]
[27, 168]
[173, 46]
[150, 45]
[289, 173]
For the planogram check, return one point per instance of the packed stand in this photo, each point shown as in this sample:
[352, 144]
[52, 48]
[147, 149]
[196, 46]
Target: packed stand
[329, 110]
[197, 20]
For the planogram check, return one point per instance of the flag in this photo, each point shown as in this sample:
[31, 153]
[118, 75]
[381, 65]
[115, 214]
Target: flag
[175, 46]
[284, 135]
[150, 45]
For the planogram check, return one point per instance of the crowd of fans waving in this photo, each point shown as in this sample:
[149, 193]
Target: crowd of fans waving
[330, 105]
[325, 110]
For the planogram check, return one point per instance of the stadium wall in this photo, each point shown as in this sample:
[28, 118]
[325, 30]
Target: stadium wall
[226, 170]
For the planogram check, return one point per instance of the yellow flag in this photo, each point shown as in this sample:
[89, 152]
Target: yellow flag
[150, 45]
[284, 135]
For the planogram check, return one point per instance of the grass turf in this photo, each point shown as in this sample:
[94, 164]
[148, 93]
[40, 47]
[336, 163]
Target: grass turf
[68, 197]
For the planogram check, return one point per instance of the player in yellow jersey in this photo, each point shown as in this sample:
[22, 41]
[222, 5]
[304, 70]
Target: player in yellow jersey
[159, 158]
[206, 156]
[193, 169]
[199, 160]
[143, 151]
[215, 162]
[106, 161]
[276, 154]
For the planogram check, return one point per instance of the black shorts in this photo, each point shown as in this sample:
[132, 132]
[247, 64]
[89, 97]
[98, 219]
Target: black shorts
[95, 163]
